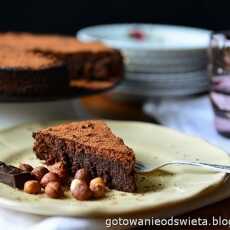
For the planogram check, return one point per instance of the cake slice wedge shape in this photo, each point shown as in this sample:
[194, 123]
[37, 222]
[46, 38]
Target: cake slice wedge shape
[90, 145]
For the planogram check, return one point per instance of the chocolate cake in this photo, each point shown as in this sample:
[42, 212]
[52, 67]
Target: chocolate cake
[28, 73]
[90, 145]
[86, 62]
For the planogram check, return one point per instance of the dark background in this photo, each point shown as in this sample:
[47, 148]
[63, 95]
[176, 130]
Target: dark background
[68, 16]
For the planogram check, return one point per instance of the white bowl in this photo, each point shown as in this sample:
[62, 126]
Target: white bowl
[164, 49]
[158, 37]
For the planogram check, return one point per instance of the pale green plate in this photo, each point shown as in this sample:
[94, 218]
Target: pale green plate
[151, 143]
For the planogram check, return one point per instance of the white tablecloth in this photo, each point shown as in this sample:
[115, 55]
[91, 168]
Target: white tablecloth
[189, 115]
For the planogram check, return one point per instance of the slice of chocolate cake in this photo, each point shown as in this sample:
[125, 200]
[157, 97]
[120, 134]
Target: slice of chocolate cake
[90, 145]
[86, 62]
[28, 73]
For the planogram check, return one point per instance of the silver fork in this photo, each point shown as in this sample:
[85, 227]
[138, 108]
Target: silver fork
[141, 167]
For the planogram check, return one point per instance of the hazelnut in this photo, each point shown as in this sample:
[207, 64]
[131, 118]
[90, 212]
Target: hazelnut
[80, 190]
[54, 190]
[97, 186]
[49, 177]
[60, 169]
[96, 180]
[39, 172]
[32, 187]
[82, 174]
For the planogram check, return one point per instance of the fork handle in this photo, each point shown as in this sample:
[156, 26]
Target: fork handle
[214, 167]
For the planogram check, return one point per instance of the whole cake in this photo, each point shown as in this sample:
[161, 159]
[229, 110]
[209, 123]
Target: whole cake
[90, 145]
[86, 62]
[23, 72]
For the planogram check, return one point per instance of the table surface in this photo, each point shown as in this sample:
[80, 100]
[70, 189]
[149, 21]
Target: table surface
[104, 106]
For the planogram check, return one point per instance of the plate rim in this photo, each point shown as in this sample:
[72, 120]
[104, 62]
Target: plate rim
[83, 35]
[210, 189]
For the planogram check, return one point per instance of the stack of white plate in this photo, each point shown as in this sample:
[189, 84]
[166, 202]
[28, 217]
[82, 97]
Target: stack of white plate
[160, 60]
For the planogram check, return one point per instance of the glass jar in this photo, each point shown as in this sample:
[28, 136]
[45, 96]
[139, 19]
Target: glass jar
[219, 72]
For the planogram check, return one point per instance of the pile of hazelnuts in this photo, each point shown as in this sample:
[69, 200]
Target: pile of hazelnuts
[52, 182]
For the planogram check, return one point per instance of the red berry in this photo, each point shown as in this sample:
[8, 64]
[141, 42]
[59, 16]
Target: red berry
[137, 34]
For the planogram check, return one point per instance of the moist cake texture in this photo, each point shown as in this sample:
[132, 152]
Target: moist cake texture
[28, 73]
[90, 145]
[85, 61]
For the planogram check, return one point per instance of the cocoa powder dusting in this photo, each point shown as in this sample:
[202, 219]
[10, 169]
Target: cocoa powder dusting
[17, 58]
[54, 43]
[95, 135]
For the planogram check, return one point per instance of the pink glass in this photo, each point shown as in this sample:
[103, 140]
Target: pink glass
[219, 71]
